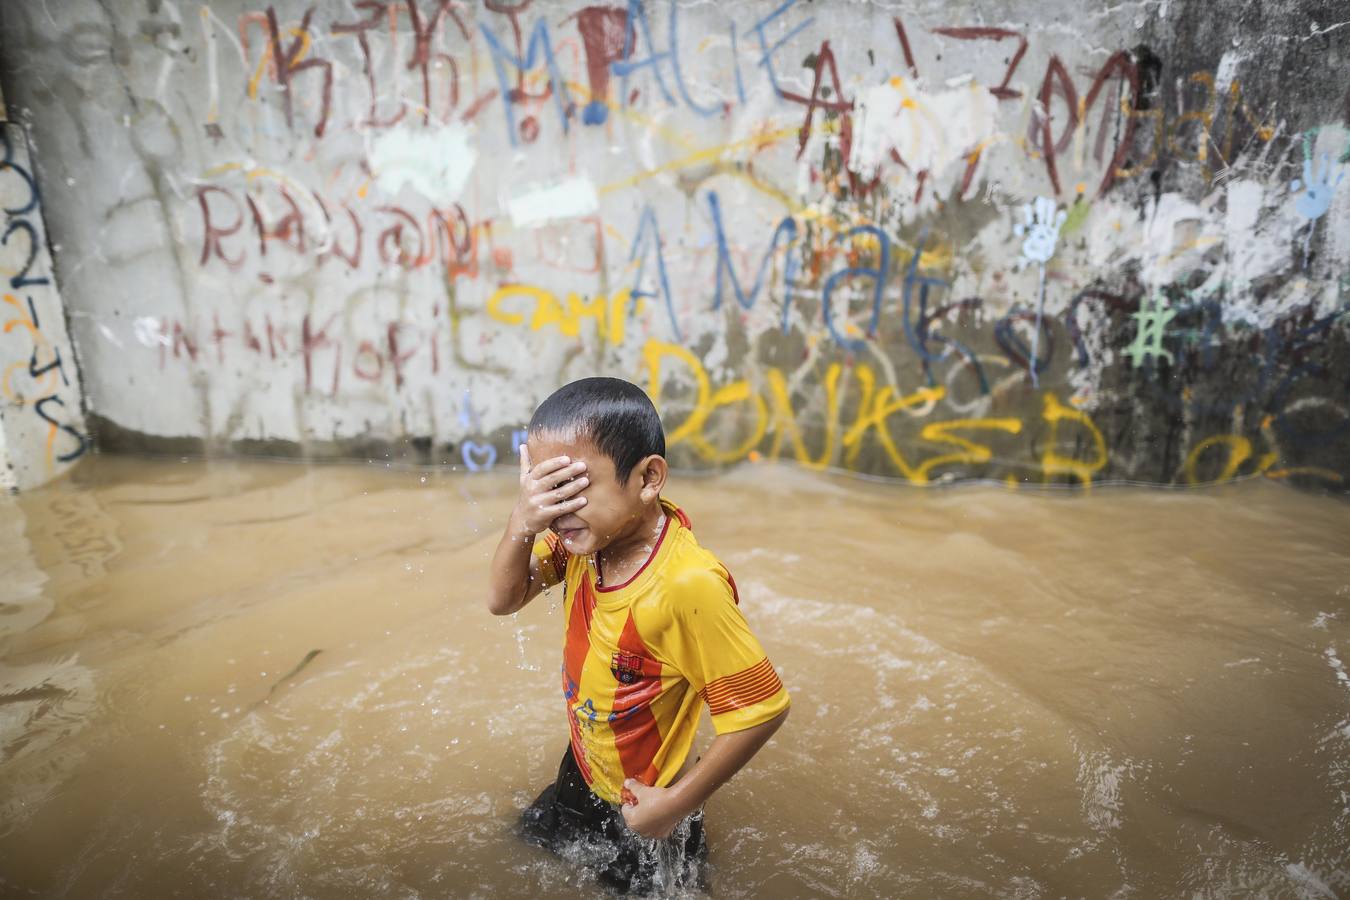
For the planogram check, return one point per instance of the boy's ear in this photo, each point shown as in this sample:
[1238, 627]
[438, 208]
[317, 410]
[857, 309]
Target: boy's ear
[653, 471]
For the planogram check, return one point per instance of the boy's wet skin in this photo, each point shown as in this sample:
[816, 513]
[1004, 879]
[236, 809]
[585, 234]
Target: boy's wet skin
[618, 522]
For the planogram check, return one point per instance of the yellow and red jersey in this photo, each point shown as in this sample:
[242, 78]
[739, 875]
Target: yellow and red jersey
[640, 659]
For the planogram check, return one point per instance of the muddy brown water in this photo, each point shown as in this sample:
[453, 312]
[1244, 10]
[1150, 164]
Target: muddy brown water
[256, 679]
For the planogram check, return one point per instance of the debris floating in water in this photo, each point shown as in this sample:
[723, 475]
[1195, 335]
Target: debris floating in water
[309, 658]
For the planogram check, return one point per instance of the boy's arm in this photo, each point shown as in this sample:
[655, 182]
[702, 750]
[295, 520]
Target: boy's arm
[516, 578]
[658, 810]
[515, 572]
[709, 641]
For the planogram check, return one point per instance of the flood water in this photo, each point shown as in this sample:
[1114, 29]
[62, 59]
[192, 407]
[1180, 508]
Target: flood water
[266, 680]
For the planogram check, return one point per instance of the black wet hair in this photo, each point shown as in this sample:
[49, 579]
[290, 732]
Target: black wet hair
[615, 415]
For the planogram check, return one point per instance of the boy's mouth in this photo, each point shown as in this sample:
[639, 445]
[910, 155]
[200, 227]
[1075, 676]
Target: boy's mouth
[568, 534]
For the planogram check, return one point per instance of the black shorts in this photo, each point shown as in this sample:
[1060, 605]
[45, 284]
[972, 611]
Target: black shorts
[572, 822]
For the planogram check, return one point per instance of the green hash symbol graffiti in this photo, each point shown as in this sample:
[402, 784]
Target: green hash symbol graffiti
[1152, 319]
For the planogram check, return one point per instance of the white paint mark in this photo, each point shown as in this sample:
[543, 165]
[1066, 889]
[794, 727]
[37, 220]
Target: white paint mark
[110, 336]
[1250, 250]
[1172, 238]
[229, 32]
[149, 332]
[567, 199]
[171, 56]
[929, 130]
[212, 70]
[1226, 71]
[1314, 31]
[436, 163]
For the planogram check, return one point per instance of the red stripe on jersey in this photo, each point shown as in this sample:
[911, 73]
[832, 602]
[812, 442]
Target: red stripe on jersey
[579, 631]
[735, 594]
[746, 688]
[637, 737]
[741, 689]
[575, 648]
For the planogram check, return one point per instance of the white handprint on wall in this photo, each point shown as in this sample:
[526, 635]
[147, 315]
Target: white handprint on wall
[1041, 229]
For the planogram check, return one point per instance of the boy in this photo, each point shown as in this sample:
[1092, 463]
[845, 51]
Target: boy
[652, 632]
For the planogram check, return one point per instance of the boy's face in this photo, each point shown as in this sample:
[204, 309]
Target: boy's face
[612, 510]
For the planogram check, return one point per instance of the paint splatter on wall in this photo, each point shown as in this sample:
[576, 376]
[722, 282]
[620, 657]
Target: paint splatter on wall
[903, 240]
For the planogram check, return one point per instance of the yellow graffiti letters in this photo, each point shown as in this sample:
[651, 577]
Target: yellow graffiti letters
[884, 404]
[608, 314]
[1055, 463]
[706, 403]
[785, 419]
[1239, 450]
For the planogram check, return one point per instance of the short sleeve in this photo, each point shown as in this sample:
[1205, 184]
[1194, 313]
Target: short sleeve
[712, 645]
[552, 556]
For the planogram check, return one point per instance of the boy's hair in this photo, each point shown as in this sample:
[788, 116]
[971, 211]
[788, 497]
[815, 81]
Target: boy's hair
[614, 415]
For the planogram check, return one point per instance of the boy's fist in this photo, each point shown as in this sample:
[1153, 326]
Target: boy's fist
[650, 811]
[548, 490]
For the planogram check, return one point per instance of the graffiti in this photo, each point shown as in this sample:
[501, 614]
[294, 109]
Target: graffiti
[468, 416]
[608, 316]
[286, 64]
[787, 229]
[540, 46]
[1227, 454]
[305, 63]
[605, 36]
[327, 352]
[539, 62]
[963, 442]
[425, 57]
[906, 243]
[1315, 190]
[37, 375]
[1041, 227]
[647, 244]
[624, 68]
[478, 457]
[1152, 319]
[1053, 461]
[321, 231]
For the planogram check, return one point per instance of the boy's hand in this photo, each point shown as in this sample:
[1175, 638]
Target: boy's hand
[653, 812]
[541, 498]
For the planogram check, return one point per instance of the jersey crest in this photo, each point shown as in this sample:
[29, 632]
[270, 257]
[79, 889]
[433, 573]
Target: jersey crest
[627, 667]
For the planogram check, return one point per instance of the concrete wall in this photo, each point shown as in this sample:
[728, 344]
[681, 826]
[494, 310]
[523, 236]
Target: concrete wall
[1036, 242]
[42, 430]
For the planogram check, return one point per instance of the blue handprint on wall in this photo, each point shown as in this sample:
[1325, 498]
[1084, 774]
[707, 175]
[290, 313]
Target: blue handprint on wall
[1315, 199]
[1317, 188]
